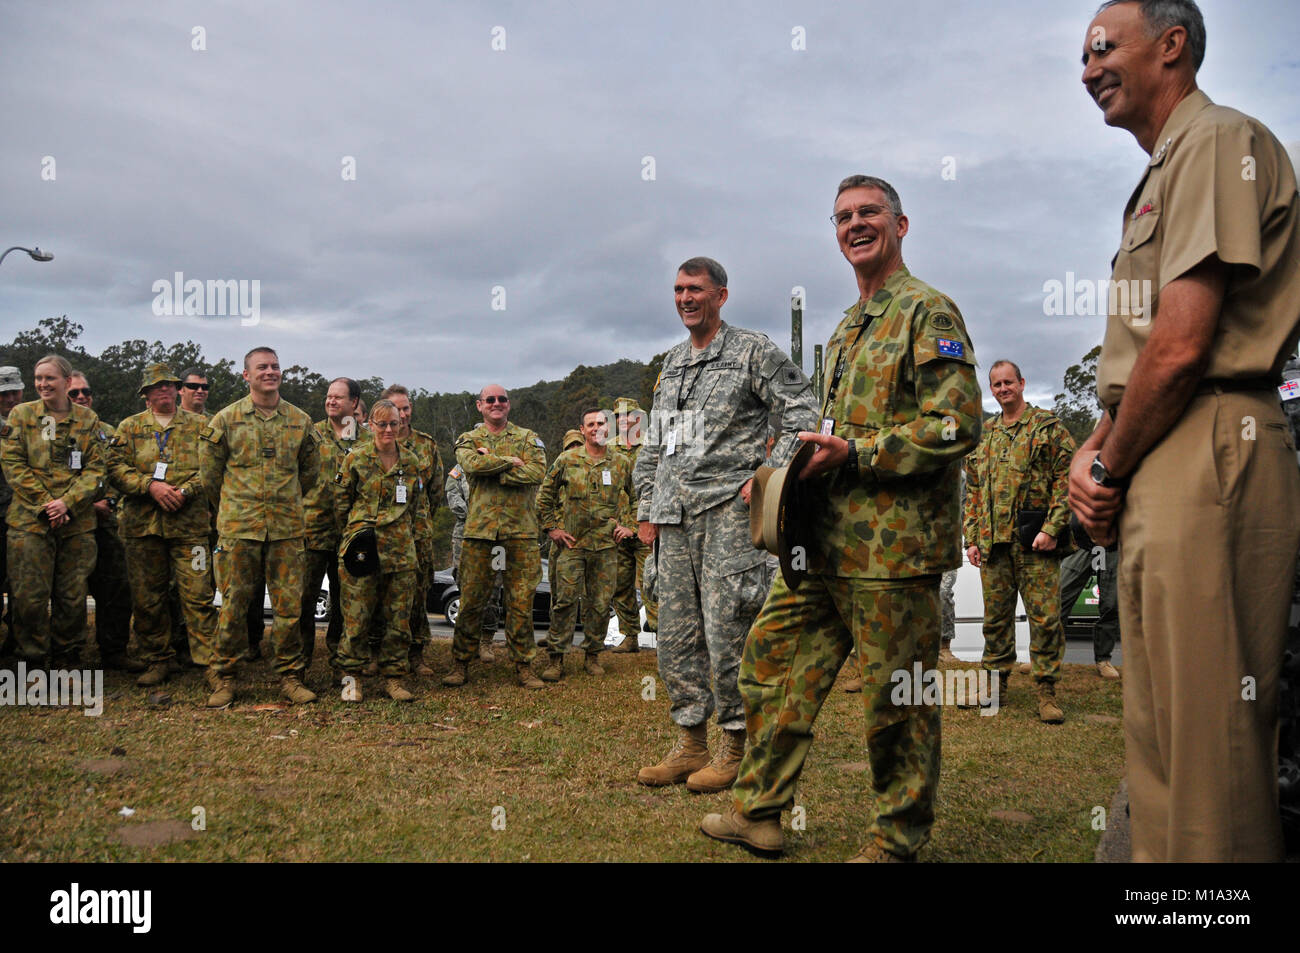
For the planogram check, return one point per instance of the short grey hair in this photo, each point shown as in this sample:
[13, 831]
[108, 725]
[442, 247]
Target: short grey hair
[705, 266]
[871, 182]
[1160, 15]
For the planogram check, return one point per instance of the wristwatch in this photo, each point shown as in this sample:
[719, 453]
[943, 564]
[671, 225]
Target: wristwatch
[1101, 477]
[852, 461]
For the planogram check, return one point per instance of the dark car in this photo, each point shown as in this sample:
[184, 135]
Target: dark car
[444, 597]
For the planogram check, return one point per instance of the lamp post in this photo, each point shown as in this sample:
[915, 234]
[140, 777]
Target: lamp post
[35, 253]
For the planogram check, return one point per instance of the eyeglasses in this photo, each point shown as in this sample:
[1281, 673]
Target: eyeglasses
[189, 386]
[79, 391]
[494, 399]
[385, 424]
[865, 212]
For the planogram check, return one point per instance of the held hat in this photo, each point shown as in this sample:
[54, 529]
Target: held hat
[777, 522]
[157, 374]
[361, 553]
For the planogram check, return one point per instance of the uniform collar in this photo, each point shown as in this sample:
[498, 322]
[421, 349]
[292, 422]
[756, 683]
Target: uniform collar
[1178, 120]
[714, 347]
[1027, 417]
[879, 302]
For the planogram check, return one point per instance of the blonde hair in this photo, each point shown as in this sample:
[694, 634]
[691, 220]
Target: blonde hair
[65, 369]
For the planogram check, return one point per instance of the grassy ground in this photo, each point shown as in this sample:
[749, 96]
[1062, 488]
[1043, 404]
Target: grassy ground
[496, 772]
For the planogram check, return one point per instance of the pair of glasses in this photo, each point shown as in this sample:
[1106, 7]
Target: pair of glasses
[494, 399]
[865, 212]
[79, 391]
[197, 386]
[386, 424]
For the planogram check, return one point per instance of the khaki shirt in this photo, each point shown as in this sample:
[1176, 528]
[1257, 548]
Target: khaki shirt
[256, 469]
[318, 502]
[36, 453]
[587, 497]
[133, 456]
[501, 495]
[366, 495]
[1218, 185]
[909, 398]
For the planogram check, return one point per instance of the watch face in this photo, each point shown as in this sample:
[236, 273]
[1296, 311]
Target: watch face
[1099, 473]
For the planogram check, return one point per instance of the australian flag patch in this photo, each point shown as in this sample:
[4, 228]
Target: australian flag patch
[950, 348]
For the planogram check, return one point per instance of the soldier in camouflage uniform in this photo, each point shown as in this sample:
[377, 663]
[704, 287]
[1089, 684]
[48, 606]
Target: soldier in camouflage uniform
[549, 548]
[1022, 463]
[630, 431]
[504, 464]
[693, 477]
[585, 506]
[901, 408]
[259, 455]
[52, 458]
[108, 584]
[153, 464]
[456, 491]
[11, 395]
[338, 433]
[379, 487]
[432, 478]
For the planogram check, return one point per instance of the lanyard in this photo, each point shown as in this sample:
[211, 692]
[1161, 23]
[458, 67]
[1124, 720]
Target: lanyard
[161, 439]
[685, 393]
[841, 364]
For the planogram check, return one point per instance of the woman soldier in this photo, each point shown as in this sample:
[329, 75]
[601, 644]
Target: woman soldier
[53, 458]
[378, 494]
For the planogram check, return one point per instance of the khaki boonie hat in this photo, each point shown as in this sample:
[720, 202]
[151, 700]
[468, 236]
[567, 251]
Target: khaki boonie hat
[776, 521]
[10, 379]
[572, 439]
[625, 405]
[157, 374]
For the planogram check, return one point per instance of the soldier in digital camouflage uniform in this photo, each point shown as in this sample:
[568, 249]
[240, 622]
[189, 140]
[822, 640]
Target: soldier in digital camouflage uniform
[693, 476]
[153, 464]
[338, 433]
[259, 455]
[11, 395]
[585, 506]
[900, 410]
[52, 458]
[1022, 463]
[432, 477]
[628, 436]
[504, 464]
[379, 487]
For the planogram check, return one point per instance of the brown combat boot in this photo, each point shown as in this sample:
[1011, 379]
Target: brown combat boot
[873, 853]
[720, 773]
[397, 691]
[591, 665]
[762, 837]
[853, 684]
[292, 688]
[156, 674]
[1106, 670]
[630, 643]
[222, 688]
[688, 754]
[946, 657]
[457, 675]
[485, 650]
[418, 665]
[554, 670]
[524, 672]
[1049, 712]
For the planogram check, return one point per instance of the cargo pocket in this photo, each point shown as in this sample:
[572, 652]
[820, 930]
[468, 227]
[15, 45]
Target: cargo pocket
[743, 582]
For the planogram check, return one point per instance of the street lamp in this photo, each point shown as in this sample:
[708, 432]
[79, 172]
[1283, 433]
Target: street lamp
[36, 253]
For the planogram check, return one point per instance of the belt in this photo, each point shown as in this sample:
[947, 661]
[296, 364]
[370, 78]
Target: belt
[1223, 386]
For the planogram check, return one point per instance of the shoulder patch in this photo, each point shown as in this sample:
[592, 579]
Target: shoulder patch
[791, 375]
[538, 441]
[455, 471]
[950, 348]
[941, 322]
[210, 435]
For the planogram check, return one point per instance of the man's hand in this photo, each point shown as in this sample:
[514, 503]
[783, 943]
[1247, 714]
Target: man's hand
[1044, 543]
[515, 461]
[1097, 506]
[973, 554]
[56, 510]
[102, 508]
[647, 532]
[166, 496]
[482, 450]
[622, 532]
[746, 490]
[832, 452]
[560, 536]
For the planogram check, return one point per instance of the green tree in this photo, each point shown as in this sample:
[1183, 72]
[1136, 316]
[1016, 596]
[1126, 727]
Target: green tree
[1077, 404]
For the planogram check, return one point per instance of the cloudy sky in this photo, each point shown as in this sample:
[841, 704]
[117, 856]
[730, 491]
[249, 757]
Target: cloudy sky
[388, 172]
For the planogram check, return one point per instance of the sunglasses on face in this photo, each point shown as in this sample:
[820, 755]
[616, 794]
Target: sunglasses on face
[197, 386]
[494, 399]
[79, 391]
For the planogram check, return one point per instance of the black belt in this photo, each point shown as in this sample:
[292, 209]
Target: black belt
[1223, 386]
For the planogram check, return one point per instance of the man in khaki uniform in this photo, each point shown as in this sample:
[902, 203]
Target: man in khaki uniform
[585, 507]
[153, 463]
[259, 455]
[1193, 462]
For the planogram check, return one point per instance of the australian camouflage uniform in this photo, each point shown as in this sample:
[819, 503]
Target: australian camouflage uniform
[165, 548]
[391, 502]
[255, 469]
[1018, 467]
[631, 556]
[500, 534]
[45, 460]
[322, 537]
[885, 525]
[587, 498]
[432, 477]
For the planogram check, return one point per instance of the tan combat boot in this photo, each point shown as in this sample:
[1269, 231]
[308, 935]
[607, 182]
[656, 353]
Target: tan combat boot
[689, 753]
[524, 672]
[222, 688]
[156, 674]
[485, 650]
[457, 675]
[418, 665]
[853, 684]
[720, 773]
[591, 665]
[397, 691]
[554, 670]
[1104, 669]
[292, 688]
[1025, 668]
[946, 657]
[873, 853]
[630, 643]
[762, 836]
[1049, 712]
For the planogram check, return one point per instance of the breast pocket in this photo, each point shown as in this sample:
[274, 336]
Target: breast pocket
[287, 443]
[1134, 277]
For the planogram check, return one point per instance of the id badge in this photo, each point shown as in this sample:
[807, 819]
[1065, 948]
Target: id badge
[671, 448]
[604, 478]
[401, 493]
[828, 426]
[160, 470]
[74, 460]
